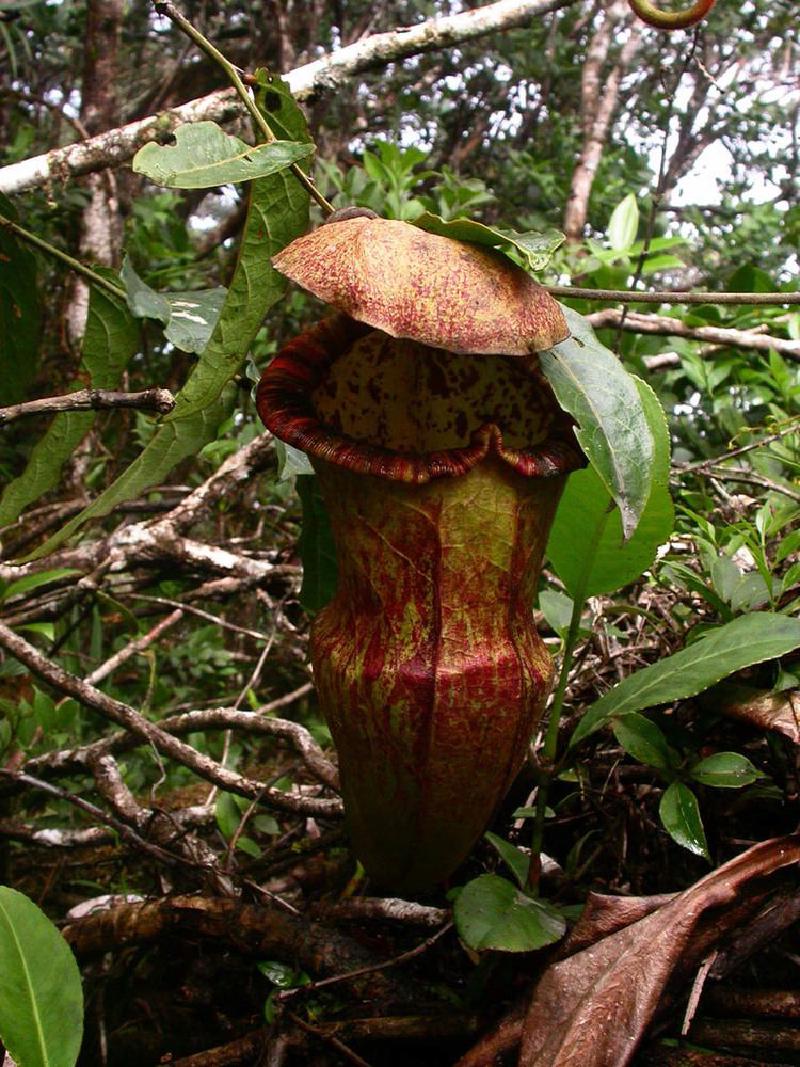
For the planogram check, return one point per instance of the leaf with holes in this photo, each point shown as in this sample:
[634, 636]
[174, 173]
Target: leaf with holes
[204, 156]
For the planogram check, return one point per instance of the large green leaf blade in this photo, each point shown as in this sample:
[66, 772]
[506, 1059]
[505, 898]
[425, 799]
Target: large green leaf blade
[587, 533]
[204, 156]
[605, 401]
[742, 643]
[41, 1000]
[277, 213]
[491, 913]
[20, 319]
[680, 814]
[110, 339]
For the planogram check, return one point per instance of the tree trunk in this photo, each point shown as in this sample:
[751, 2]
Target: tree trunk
[598, 104]
[101, 225]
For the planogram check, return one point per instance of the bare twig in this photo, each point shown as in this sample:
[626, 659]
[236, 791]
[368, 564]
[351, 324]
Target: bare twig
[664, 326]
[395, 961]
[668, 296]
[56, 253]
[134, 647]
[793, 427]
[160, 401]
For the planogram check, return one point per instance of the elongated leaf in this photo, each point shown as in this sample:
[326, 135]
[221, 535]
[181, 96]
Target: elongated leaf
[491, 913]
[587, 533]
[623, 224]
[204, 155]
[20, 319]
[613, 427]
[725, 770]
[110, 339]
[680, 814]
[41, 1001]
[516, 860]
[317, 549]
[277, 213]
[531, 250]
[643, 740]
[745, 641]
[189, 317]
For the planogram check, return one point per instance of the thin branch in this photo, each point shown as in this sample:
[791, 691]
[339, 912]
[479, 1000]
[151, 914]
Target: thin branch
[168, 9]
[68, 261]
[159, 401]
[134, 647]
[747, 477]
[164, 743]
[793, 427]
[323, 75]
[668, 296]
[664, 326]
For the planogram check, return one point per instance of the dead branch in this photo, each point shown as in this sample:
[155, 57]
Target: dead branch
[323, 75]
[157, 400]
[254, 930]
[167, 744]
[665, 326]
[68, 761]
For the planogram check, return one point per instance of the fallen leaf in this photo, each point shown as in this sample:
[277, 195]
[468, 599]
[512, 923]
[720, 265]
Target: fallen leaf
[592, 1009]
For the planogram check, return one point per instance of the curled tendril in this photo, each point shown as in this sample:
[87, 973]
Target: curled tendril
[671, 20]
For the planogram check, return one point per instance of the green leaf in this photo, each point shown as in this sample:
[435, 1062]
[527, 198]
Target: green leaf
[204, 155]
[34, 581]
[531, 250]
[643, 740]
[623, 224]
[110, 340]
[742, 643]
[20, 317]
[588, 534]
[189, 317]
[491, 913]
[517, 861]
[557, 609]
[277, 213]
[41, 1001]
[614, 429]
[680, 815]
[227, 815]
[726, 770]
[316, 547]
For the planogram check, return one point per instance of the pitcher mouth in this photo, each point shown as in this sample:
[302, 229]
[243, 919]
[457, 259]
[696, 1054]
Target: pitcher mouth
[352, 396]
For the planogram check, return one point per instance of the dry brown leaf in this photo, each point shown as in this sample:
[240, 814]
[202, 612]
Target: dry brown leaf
[591, 1009]
[761, 708]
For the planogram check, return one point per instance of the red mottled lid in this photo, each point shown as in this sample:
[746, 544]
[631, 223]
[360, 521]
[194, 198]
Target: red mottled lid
[409, 283]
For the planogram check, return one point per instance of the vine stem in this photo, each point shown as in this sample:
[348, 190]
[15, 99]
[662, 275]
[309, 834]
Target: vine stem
[667, 296]
[549, 750]
[168, 10]
[73, 264]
